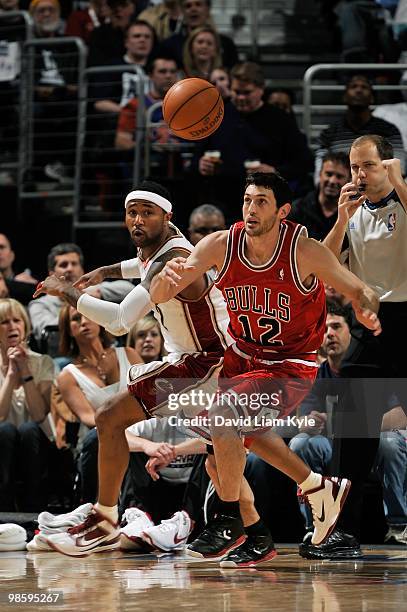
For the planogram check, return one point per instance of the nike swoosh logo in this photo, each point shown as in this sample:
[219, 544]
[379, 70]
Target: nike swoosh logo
[226, 535]
[322, 517]
[258, 552]
[88, 544]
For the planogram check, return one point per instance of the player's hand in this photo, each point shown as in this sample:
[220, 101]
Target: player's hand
[368, 318]
[91, 278]
[348, 203]
[153, 466]
[52, 285]
[160, 450]
[173, 269]
[206, 166]
[393, 167]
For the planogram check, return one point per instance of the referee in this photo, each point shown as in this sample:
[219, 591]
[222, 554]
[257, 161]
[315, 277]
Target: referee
[372, 223]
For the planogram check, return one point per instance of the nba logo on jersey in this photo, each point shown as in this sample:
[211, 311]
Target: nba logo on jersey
[391, 222]
[281, 274]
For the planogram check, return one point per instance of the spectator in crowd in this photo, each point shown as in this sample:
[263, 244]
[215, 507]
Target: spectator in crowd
[220, 77]
[282, 98]
[107, 41]
[201, 53]
[112, 91]
[25, 389]
[318, 209]
[364, 32]
[18, 286]
[196, 14]
[55, 87]
[67, 259]
[250, 131]
[204, 220]
[314, 448]
[10, 67]
[165, 18]
[375, 227]
[396, 113]
[163, 74]
[97, 372]
[160, 497]
[357, 121]
[83, 21]
[145, 336]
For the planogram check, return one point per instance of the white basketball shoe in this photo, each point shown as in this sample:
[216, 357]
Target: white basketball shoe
[170, 534]
[131, 533]
[96, 534]
[326, 503]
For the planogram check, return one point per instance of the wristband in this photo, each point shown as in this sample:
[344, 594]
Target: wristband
[26, 379]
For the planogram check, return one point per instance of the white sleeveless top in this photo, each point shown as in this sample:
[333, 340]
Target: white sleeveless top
[95, 395]
[188, 326]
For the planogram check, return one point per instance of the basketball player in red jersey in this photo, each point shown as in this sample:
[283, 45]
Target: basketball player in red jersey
[270, 274]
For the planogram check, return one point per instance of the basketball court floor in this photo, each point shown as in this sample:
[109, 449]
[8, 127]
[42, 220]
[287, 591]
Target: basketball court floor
[109, 582]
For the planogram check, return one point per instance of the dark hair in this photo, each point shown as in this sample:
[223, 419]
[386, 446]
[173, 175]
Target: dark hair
[113, 3]
[383, 146]
[151, 63]
[154, 187]
[334, 308]
[273, 181]
[62, 249]
[67, 344]
[289, 92]
[141, 22]
[249, 72]
[359, 77]
[338, 157]
[206, 210]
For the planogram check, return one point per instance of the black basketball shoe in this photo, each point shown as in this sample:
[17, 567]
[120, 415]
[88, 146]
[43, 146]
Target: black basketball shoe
[255, 550]
[338, 545]
[221, 535]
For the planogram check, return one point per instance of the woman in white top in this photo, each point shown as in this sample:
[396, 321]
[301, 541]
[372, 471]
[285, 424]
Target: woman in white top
[25, 390]
[98, 371]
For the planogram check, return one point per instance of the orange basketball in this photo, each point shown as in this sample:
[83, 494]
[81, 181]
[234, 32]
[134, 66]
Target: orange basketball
[193, 109]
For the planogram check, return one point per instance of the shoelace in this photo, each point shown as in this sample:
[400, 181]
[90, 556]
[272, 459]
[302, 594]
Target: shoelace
[132, 514]
[167, 524]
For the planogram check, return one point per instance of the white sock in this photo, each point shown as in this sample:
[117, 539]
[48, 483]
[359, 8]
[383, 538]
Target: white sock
[110, 512]
[313, 481]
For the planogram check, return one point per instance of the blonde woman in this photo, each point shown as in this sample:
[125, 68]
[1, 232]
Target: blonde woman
[145, 336]
[97, 372]
[25, 391]
[201, 53]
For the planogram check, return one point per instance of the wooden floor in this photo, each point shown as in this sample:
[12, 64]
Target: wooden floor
[116, 581]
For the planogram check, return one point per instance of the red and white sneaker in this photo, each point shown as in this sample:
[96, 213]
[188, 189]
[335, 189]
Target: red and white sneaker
[96, 534]
[326, 502]
[170, 534]
[131, 533]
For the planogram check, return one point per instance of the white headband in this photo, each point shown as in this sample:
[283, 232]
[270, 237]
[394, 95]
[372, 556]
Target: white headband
[150, 197]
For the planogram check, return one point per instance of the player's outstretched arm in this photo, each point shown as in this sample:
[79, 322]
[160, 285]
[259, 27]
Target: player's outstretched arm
[314, 258]
[180, 272]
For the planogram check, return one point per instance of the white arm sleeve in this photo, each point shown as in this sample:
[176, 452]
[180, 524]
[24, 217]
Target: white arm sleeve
[130, 268]
[116, 318]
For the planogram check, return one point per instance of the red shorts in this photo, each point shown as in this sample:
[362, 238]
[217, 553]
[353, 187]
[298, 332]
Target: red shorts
[158, 385]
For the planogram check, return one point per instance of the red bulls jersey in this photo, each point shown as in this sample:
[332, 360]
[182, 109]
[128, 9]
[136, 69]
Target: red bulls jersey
[272, 314]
